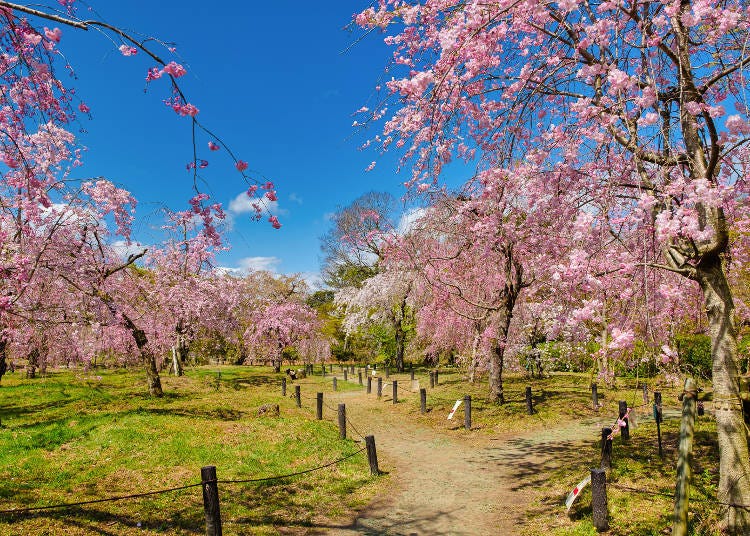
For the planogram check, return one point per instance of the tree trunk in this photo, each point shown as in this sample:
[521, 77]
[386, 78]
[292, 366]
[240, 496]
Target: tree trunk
[3, 358]
[400, 344]
[176, 365]
[147, 356]
[734, 463]
[400, 335]
[474, 357]
[497, 355]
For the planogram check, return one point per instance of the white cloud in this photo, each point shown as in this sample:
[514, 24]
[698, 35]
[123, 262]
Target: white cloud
[295, 198]
[125, 249]
[252, 264]
[314, 280]
[242, 204]
[406, 223]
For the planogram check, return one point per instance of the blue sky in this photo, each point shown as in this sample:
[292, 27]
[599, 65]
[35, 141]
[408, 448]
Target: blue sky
[272, 79]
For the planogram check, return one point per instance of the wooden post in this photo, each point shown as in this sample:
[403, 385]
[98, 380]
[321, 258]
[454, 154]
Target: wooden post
[298, 396]
[319, 406]
[467, 412]
[437, 377]
[335, 384]
[380, 387]
[211, 500]
[594, 396]
[346, 375]
[351, 369]
[432, 379]
[645, 393]
[411, 373]
[324, 370]
[369, 385]
[342, 421]
[423, 400]
[395, 391]
[599, 499]
[529, 401]
[283, 386]
[372, 455]
[387, 372]
[657, 418]
[624, 430]
[606, 448]
[687, 428]
[359, 376]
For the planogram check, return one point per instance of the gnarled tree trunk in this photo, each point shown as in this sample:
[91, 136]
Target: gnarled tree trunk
[147, 357]
[734, 463]
[497, 354]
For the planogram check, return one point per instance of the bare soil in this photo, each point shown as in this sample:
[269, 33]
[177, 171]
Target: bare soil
[451, 482]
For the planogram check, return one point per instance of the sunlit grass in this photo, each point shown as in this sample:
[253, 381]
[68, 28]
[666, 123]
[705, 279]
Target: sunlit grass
[76, 436]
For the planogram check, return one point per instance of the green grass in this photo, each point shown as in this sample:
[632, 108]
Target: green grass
[76, 436]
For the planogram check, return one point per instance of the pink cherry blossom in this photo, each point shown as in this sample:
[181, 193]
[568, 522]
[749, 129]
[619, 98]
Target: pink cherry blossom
[126, 50]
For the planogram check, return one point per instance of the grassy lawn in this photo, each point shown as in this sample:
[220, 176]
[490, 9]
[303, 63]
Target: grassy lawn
[76, 436]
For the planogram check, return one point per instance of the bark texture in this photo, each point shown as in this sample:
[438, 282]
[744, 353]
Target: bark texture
[734, 462]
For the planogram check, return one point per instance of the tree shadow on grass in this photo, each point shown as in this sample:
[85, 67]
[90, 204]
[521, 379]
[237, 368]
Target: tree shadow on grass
[93, 520]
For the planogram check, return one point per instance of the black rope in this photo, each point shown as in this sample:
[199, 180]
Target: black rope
[93, 501]
[671, 496]
[335, 410]
[293, 474]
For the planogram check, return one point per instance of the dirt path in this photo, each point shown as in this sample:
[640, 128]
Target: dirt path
[453, 486]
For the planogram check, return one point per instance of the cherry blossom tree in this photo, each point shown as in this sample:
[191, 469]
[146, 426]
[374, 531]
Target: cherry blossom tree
[641, 109]
[384, 298]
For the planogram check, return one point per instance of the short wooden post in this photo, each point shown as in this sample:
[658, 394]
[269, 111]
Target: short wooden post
[298, 396]
[411, 373]
[682, 489]
[346, 375]
[372, 455]
[359, 377]
[342, 421]
[624, 430]
[645, 393]
[606, 448]
[467, 412]
[437, 377]
[529, 401]
[335, 384]
[594, 396]
[380, 387]
[387, 372]
[369, 385]
[351, 369]
[422, 400]
[324, 371]
[283, 386]
[211, 500]
[395, 391]
[658, 418]
[599, 499]
[319, 406]
[432, 378]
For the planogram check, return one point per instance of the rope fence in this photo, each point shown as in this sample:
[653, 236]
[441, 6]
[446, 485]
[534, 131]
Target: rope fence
[16, 511]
